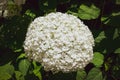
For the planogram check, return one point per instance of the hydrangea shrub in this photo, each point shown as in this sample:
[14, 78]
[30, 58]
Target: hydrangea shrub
[60, 42]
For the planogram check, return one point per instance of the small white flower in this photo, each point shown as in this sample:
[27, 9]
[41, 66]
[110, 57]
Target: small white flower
[60, 42]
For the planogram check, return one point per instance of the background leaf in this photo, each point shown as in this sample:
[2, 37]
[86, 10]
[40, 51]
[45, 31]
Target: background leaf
[88, 12]
[81, 75]
[5, 76]
[118, 2]
[117, 51]
[100, 37]
[112, 20]
[94, 74]
[6, 72]
[98, 59]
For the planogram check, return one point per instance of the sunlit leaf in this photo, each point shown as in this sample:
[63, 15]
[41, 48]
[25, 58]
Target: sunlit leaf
[21, 56]
[98, 59]
[6, 72]
[24, 66]
[30, 13]
[19, 75]
[4, 76]
[94, 74]
[88, 12]
[36, 70]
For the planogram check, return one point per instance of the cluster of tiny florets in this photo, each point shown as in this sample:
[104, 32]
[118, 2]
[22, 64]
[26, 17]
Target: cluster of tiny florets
[60, 42]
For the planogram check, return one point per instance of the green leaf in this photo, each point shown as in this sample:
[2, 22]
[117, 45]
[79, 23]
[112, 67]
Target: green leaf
[88, 13]
[30, 13]
[94, 74]
[98, 59]
[112, 20]
[100, 37]
[117, 50]
[106, 66]
[118, 2]
[24, 66]
[116, 33]
[6, 72]
[36, 70]
[4, 76]
[18, 50]
[81, 75]
[73, 13]
[21, 56]
[19, 75]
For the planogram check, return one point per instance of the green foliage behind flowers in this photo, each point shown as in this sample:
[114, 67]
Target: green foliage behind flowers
[102, 17]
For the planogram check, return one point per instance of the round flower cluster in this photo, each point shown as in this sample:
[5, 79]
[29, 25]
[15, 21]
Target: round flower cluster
[60, 42]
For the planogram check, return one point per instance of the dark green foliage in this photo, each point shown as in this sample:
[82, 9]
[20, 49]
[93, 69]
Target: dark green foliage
[101, 16]
[81, 75]
[6, 72]
[94, 74]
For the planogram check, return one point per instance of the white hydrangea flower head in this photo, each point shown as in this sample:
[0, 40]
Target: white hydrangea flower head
[60, 42]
